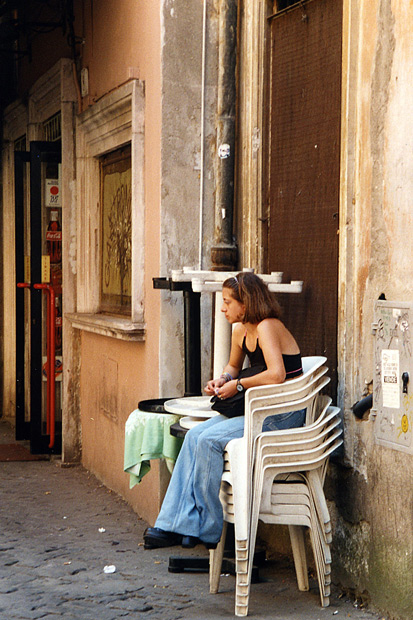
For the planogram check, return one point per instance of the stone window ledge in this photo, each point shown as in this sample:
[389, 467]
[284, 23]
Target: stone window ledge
[106, 325]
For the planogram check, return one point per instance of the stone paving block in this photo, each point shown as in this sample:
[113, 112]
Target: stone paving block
[52, 557]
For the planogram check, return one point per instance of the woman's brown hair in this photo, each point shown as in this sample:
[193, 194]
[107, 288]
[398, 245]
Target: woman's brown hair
[251, 290]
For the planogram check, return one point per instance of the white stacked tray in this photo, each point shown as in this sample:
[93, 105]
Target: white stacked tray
[193, 409]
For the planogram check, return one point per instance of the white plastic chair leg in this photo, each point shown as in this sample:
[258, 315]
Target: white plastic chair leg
[215, 562]
[300, 556]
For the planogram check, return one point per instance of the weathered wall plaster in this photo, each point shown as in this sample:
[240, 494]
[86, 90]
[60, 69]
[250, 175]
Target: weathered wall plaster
[113, 59]
[182, 36]
[373, 544]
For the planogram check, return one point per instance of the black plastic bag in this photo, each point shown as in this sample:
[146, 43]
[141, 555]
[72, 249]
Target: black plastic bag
[234, 405]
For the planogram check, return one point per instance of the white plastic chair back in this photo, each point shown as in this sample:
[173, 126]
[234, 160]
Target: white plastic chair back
[310, 364]
[271, 394]
[324, 416]
[266, 448]
[303, 398]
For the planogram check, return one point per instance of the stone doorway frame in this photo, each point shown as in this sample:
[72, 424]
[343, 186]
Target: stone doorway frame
[55, 91]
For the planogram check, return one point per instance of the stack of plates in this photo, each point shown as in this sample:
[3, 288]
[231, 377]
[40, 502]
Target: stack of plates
[189, 422]
[193, 409]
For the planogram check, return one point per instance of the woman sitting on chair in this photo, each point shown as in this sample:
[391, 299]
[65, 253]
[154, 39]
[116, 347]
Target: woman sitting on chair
[191, 512]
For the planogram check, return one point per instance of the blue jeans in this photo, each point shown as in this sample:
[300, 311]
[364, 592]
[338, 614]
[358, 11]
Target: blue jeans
[191, 506]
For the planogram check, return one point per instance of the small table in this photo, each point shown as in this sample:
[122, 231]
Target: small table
[147, 436]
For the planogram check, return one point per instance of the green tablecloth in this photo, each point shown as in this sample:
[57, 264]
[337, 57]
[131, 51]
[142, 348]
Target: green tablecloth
[147, 436]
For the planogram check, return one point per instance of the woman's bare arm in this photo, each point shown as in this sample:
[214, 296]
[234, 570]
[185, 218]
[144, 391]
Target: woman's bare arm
[273, 338]
[234, 365]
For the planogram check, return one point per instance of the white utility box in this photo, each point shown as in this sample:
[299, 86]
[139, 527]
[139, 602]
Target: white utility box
[393, 375]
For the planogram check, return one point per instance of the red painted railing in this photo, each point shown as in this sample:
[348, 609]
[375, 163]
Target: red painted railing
[50, 357]
[50, 360]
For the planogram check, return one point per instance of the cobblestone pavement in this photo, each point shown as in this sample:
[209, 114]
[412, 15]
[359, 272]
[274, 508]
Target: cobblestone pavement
[59, 528]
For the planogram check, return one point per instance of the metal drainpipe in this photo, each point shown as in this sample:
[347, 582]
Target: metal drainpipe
[224, 250]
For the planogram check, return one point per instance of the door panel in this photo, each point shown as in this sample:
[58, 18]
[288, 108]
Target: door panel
[21, 160]
[304, 154]
[32, 321]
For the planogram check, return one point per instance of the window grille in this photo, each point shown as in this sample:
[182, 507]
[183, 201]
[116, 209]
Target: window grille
[53, 128]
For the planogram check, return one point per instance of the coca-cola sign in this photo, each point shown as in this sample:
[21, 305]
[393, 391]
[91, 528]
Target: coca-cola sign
[53, 235]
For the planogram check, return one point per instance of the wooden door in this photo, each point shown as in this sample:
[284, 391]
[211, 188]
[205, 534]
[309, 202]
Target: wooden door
[303, 169]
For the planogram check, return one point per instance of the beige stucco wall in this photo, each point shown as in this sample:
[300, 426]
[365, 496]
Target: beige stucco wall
[150, 48]
[185, 241]
[374, 535]
[115, 376]
[122, 42]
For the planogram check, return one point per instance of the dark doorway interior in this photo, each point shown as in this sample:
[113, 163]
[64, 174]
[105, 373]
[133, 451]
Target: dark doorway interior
[37, 271]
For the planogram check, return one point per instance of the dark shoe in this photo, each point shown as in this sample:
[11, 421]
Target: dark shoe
[189, 542]
[154, 538]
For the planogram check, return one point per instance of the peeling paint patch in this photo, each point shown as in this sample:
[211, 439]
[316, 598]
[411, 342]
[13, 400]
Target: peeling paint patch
[351, 544]
[398, 164]
[72, 230]
[109, 388]
[381, 80]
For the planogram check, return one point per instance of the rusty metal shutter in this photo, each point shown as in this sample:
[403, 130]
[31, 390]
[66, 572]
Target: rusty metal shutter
[304, 156]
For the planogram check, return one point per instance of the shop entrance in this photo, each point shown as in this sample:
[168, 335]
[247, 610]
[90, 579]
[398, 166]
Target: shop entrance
[38, 248]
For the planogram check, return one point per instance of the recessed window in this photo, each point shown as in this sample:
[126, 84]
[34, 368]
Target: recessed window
[53, 128]
[116, 229]
[280, 5]
[111, 215]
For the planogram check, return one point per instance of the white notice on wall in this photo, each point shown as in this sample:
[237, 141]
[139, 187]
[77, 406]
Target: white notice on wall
[52, 188]
[390, 373]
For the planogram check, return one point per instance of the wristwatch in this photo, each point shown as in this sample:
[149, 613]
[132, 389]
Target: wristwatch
[240, 387]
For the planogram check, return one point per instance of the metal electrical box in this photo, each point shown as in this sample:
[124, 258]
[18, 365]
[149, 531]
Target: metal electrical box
[393, 375]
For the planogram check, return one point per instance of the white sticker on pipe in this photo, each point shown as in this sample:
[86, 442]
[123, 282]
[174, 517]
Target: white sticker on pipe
[224, 151]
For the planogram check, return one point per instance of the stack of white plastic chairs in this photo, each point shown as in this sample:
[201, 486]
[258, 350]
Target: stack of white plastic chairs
[278, 477]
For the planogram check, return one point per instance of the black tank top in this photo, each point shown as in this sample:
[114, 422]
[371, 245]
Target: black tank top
[292, 363]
